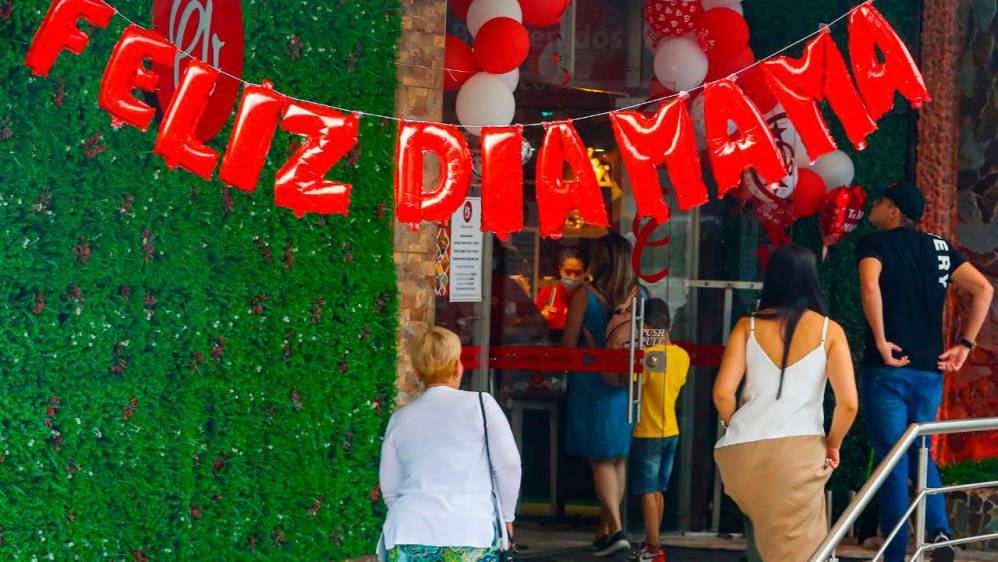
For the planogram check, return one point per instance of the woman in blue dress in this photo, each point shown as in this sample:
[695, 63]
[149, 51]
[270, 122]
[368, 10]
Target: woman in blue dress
[597, 411]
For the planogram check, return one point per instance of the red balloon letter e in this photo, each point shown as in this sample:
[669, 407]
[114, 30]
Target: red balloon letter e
[300, 185]
[58, 32]
[414, 204]
[125, 71]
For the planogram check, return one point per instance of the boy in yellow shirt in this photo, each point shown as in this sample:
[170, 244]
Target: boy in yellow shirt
[656, 435]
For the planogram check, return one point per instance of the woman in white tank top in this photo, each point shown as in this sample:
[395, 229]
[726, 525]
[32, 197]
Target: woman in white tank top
[774, 457]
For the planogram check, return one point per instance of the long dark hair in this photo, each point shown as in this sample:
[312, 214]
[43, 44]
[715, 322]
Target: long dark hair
[789, 289]
[611, 268]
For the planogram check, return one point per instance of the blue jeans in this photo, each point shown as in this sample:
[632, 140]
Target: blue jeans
[893, 398]
[651, 463]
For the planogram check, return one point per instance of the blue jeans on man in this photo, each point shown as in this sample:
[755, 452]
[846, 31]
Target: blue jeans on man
[893, 398]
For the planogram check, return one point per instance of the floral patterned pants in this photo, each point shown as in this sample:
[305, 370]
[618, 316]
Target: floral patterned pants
[421, 553]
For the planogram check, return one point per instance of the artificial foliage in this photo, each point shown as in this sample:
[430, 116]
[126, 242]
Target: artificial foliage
[190, 372]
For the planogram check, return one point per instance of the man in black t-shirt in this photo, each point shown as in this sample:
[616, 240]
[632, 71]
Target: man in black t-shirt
[904, 275]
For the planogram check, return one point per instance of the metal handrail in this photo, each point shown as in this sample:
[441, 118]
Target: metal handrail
[827, 547]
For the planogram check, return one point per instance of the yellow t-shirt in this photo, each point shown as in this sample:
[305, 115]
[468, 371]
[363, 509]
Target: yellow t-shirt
[659, 394]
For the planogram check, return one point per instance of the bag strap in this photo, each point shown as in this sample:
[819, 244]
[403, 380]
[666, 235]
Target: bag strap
[500, 527]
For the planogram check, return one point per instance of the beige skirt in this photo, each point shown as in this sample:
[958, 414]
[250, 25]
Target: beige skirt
[780, 485]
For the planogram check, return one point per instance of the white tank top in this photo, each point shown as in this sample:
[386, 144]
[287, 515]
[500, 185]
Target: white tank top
[799, 409]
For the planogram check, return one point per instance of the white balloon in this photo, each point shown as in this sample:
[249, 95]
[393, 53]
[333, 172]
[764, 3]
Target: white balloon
[482, 11]
[485, 100]
[511, 78]
[735, 5]
[836, 169]
[680, 64]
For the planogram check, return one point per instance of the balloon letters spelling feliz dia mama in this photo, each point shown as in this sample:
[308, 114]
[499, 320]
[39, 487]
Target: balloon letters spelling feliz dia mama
[256, 122]
[126, 71]
[58, 31]
[800, 83]
[299, 185]
[665, 138]
[176, 141]
[878, 81]
[556, 196]
[502, 180]
[752, 144]
[414, 205]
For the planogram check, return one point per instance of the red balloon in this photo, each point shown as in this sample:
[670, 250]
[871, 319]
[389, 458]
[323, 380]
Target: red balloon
[722, 34]
[413, 204]
[299, 185]
[723, 68]
[753, 83]
[878, 81]
[460, 8]
[256, 122]
[668, 139]
[125, 71]
[752, 144]
[841, 213]
[501, 45]
[556, 195]
[672, 17]
[543, 13]
[58, 32]
[502, 180]
[800, 83]
[459, 63]
[775, 218]
[658, 91]
[809, 193]
[176, 142]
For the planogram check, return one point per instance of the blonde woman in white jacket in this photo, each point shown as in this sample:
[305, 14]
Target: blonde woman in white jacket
[443, 503]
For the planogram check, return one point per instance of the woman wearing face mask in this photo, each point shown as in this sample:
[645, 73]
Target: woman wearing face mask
[553, 300]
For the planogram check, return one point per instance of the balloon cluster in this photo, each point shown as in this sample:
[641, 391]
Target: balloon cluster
[487, 72]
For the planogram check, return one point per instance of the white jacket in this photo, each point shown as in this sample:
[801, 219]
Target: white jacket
[434, 471]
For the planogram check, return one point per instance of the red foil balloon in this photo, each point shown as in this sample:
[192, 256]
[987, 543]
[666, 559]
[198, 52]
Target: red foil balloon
[809, 194]
[753, 83]
[256, 122]
[668, 139]
[300, 185]
[413, 204]
[728, 66]
[58, 32]
[556, 195]
[501, 45]
[800, 83]
[841, 213]
[126, 71]
[459, 63]
[878, 81]
[176, 142]
[502, 180]
[752, 144]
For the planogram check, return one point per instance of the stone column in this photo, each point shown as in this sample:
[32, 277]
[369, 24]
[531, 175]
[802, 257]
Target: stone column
[936, 167]
[419, 96]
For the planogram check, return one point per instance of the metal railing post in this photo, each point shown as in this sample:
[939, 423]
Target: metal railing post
[923, 471]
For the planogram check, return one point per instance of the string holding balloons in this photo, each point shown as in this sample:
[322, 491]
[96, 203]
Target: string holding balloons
[742, 136]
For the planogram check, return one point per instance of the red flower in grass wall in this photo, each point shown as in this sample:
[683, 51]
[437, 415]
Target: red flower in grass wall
[195, 512]
[90, 147]
[148, 250]
[39, 303]
[376, 493]
[60, 92]
[316, 506]
[6, 11]
[82, 251]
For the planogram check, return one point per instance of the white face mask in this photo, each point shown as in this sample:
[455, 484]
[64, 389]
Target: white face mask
[570, 282]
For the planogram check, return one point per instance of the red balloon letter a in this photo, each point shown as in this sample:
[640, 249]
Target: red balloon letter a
[868, 30]
[58, 31]
[666, 138]
[557, 196]
[413, 204]
[752, 144]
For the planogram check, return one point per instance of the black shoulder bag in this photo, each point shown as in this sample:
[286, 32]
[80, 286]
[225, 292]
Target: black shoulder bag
[509, 554]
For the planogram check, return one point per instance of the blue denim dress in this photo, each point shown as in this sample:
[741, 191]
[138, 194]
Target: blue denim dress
[597, 412]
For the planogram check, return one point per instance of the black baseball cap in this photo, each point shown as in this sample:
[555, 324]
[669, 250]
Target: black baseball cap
[908, 198]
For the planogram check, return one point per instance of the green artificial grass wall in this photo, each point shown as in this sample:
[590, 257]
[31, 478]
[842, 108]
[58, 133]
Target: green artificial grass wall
[190, 372]
[773, 24]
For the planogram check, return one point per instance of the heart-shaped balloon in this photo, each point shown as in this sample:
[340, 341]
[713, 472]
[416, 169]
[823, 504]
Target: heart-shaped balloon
[670, 18]
[841, 213]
